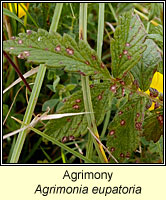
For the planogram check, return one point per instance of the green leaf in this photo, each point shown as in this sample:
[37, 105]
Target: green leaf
[155, 10]
[77, 125]
[157, 35]
[144, 70]
[70, 87]
[156, 147]
[153, 125]
[127, 46]
[12, 15]
[50, 103]
[125, 128]
[56, 51]
[124, 7]
[55, 83]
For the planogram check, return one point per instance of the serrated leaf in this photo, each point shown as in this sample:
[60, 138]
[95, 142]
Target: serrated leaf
[77, 125]
[125, 128]
[144, 70]
[56, 51]
[153, 125]
[127, 46]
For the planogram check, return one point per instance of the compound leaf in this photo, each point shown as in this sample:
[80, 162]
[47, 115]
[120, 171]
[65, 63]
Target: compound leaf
[144, 70]
[127, 46]
[53, 50]
[125, 128]
[153, 125]
[77, 125]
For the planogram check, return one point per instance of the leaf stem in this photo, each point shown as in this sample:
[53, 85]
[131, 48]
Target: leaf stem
[87, 95]
[35, 93]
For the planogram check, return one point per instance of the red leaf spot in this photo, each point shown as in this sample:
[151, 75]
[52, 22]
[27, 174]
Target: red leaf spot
[100, 97]
[138, 126]
[123, 91]
[78, 100]
[64, 139]
[93, 57]
[127, 44]
[76, 107]
[113, 88]
[122, 155]
[70, 51]
[87, 62]
[58, 48]
[129, 57]
[21, 56]
[112, 132]
[122, 123]
[13, 38]
[102, 65]
[137, 114]
[112, 149]
[71, 137]
[29, 32]
[20, 41]
[120, 112]
[127, 155]
[122, 82]
[125, 52]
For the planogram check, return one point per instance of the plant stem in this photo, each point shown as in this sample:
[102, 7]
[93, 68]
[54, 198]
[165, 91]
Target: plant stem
[56, 17]
[141, 8]
[113, 12]
[35, 93]
[87, 94]
[145, 17]
[100, 29]
[107, 119]
[99, 52]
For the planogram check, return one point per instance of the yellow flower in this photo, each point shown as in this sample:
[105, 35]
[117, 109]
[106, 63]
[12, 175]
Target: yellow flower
[157, 83]
[21, 11]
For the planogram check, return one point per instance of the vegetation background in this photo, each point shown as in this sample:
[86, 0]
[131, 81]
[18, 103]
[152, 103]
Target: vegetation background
[59, 84]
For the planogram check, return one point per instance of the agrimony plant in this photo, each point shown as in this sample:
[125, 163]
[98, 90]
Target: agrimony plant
[134, 60]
